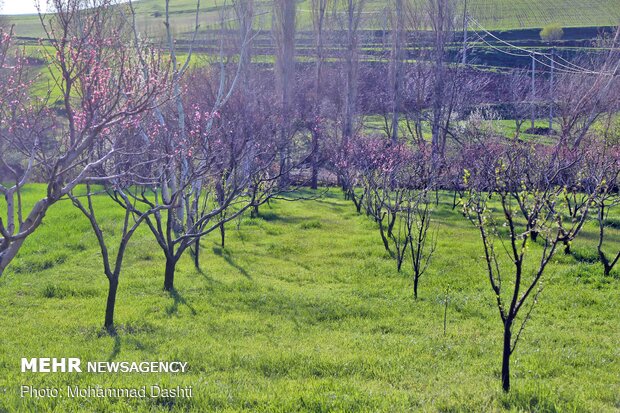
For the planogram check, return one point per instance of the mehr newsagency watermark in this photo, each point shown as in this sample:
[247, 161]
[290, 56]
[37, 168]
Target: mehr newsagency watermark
[75, 365]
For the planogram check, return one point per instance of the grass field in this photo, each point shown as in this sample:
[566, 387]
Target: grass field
[375, 125]
[304, 311]
[492, 14]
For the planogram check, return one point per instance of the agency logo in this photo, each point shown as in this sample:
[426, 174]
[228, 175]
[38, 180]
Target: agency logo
[74, 365]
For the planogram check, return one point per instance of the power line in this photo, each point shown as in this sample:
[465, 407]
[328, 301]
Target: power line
[569, 67]
[574, 69]
[524, 56]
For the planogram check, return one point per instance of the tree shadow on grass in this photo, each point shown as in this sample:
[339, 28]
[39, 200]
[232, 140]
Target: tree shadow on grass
[228, 258]
[211, 282]
[583, 255]
[178, 299]
[336, 204]
[123, 334]
[273, 217]
[116, 349]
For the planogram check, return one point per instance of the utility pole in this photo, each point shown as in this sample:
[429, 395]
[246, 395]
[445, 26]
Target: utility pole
[533, 91]
[465, 34]
[551, 100]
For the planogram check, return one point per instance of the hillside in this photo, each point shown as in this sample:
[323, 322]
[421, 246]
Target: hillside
[493, 14]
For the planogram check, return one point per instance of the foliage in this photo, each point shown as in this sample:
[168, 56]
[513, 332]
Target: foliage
[551, 33]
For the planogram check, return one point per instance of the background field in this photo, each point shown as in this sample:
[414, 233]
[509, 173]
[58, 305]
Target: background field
[304, 311]
[493, 14]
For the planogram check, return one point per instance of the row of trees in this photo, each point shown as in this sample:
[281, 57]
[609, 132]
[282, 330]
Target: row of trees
[181, 150]
[517, 194]
[527, 201]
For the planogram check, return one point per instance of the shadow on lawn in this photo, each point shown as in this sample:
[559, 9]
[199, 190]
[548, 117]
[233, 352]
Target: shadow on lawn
[179, 299]
[116, 349]
[270, 216]
[122, 334]
[228, 258]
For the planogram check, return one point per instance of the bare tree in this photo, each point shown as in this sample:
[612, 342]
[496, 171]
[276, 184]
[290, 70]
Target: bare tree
[353, 16]
[101, 85]
[244, 11]
[584, 95]
[396, 63]
[319, 8]
[544, 202]
[417, 78]
[606, 174]
[284, 32]
[139, 161]
[605, 204]
[441, 14]
[207, 174]
[112, 263]
[422, 239]
[517, 83]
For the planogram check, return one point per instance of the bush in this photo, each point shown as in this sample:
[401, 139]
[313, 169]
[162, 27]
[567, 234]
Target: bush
[551, 33]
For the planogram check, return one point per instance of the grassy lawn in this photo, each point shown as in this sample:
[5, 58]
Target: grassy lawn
[375, 125]
[304, 311]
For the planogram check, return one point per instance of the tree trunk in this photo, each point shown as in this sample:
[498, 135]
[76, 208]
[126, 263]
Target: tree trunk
[11, 247]
[171, 264]
[567, 247]
[314, 181]
[223, 235]
[386, 243]
[284, 172]
[357, 202]
[351, 68]
[506, 356]
[318, 25]
[416, 279]
[397, 35]
[7, 255]
[109, 309]
[197, 254]
[285, 13]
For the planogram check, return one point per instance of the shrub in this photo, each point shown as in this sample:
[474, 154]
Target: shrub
[551, 33]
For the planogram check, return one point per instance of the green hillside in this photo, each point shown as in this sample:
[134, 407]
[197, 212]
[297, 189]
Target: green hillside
[493, 14]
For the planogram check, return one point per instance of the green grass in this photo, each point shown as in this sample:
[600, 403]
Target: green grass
[375, 125]
[304, 311]
[515, 14]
